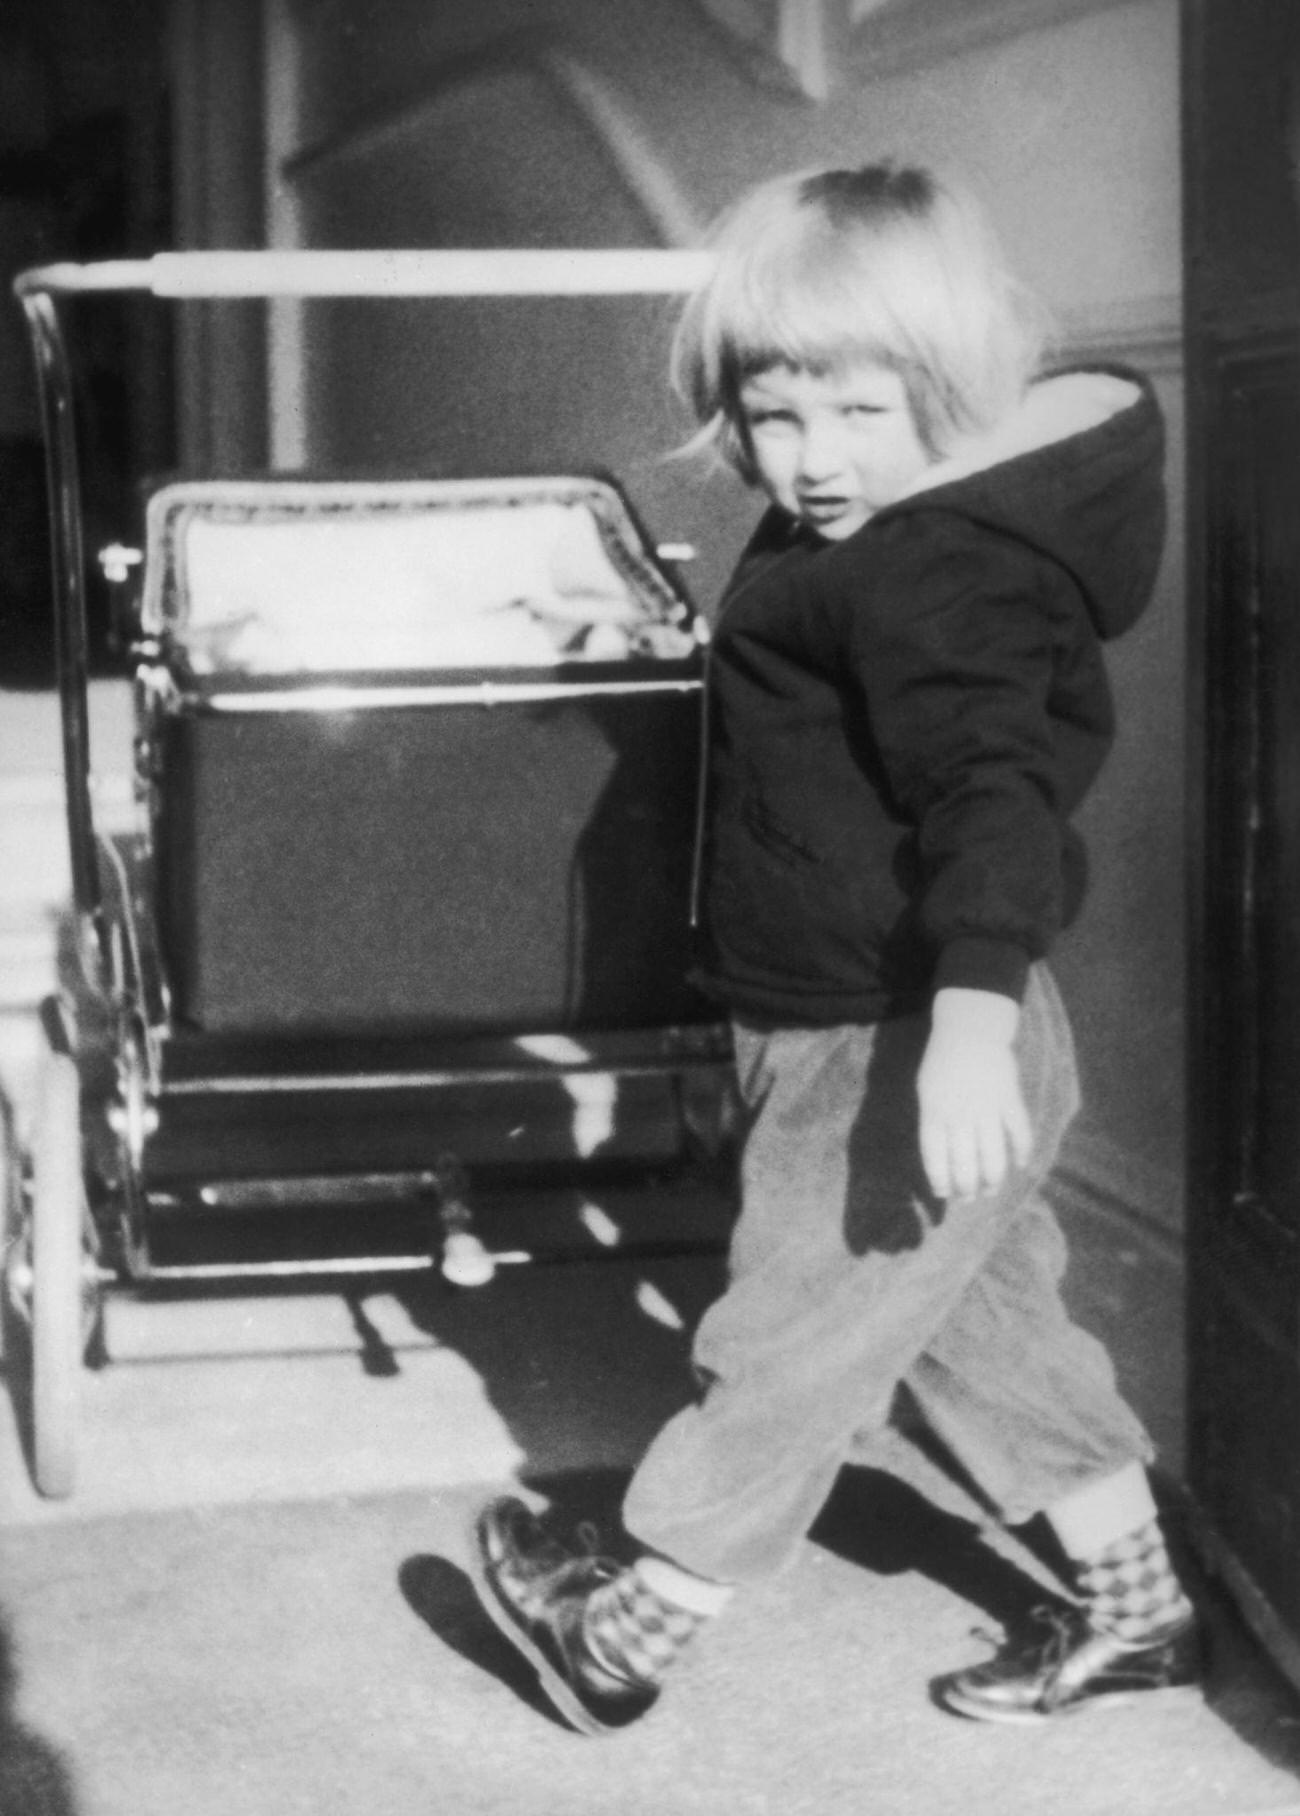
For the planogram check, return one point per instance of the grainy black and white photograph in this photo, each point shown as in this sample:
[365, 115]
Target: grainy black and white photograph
[650, 907]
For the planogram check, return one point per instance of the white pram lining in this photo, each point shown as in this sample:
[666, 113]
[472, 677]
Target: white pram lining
[275, 577]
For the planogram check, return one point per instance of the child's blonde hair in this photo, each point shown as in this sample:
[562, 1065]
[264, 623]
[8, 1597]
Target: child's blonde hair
[885, 263]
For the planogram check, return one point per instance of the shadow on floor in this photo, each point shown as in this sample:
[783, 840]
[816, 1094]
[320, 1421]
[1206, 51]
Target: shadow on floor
[885, 1526]
[585, 1353]
[34, 1781]
[442, 1596]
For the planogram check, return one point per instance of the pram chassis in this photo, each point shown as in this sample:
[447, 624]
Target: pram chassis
[118, 1068]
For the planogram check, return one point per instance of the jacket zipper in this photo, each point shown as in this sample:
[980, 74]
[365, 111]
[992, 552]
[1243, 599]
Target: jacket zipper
[701, 788]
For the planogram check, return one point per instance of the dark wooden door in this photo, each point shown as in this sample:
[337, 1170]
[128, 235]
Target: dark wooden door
[1242, 136]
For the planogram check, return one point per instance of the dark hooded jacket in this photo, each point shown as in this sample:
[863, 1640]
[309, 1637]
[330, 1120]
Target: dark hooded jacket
[902, 723]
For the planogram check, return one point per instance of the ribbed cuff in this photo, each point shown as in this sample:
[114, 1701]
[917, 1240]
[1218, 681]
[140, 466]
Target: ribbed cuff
[974, 962]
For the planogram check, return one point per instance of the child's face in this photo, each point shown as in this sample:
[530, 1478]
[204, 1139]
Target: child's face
[832, 448]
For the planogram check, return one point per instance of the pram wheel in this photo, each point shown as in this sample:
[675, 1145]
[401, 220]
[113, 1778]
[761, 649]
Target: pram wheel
[11, 1233]
[61, 1275]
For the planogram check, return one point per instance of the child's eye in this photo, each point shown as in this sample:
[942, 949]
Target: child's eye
[769, 418]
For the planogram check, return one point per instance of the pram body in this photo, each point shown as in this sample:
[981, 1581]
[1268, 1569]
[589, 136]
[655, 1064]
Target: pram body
[417, 775]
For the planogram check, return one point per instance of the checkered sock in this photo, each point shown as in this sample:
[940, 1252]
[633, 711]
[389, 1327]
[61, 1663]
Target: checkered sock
[635, 1633]
[1130, 1587]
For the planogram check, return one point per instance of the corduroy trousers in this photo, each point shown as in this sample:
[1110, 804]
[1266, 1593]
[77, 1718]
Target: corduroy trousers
[847, 1278]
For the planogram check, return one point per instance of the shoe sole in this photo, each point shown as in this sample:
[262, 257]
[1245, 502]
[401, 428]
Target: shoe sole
[502, 1616]
[957, 1704]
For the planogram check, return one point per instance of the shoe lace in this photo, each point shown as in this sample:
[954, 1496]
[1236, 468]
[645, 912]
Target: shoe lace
[1062, 1627]
[1058, 1626]
[584, 1544]
[586, 1538]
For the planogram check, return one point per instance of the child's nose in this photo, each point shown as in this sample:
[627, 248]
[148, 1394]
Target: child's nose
[821, 449]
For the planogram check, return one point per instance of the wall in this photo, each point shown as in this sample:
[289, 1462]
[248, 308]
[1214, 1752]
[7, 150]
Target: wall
[81, 111]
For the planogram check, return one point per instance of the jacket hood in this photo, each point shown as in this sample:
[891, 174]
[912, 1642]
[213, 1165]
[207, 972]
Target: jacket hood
[1077, 472]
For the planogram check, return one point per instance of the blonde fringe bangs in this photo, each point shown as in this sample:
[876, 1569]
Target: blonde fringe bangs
[925, 294]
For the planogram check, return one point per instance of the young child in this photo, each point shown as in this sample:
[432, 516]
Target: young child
[907, 703]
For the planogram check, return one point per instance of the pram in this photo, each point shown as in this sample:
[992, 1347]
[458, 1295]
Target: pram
[416, 770]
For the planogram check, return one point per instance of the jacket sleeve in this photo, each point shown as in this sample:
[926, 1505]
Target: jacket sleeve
[955, 661]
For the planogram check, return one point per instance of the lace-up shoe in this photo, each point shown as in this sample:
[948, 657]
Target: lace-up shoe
[535, 1587]
[1064, 1665]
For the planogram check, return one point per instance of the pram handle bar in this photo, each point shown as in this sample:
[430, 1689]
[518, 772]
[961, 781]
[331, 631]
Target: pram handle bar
[495, 271]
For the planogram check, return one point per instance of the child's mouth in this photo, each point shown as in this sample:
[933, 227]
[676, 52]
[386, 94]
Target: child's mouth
[823, 510]
[822, 506]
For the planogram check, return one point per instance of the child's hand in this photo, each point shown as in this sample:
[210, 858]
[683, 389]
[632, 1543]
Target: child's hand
[974, 1123]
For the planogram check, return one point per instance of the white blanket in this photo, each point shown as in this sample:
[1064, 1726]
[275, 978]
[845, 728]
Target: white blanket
[496, 585]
